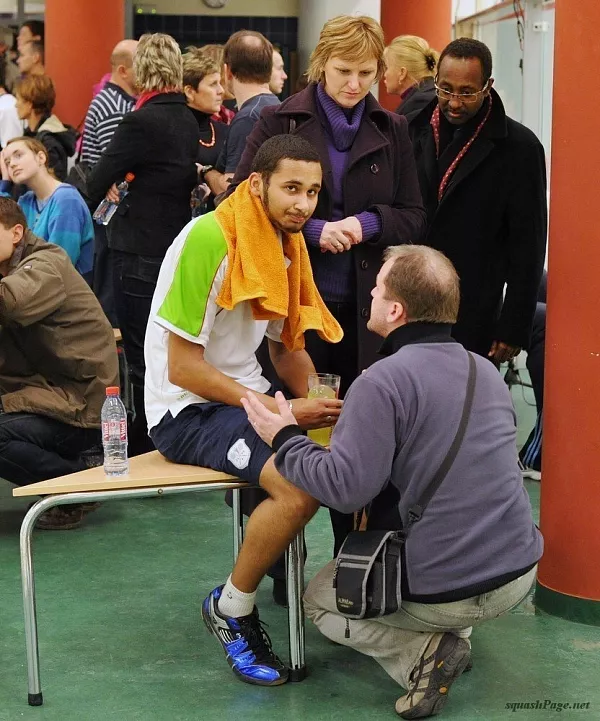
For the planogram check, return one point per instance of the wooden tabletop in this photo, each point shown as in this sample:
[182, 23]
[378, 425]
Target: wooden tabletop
[150, 470]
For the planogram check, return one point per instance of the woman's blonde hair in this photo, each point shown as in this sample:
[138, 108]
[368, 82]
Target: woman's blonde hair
[196, 66]
[214, 51]
[36, 147]
[158, 64]
[351, 38]
[414, 54]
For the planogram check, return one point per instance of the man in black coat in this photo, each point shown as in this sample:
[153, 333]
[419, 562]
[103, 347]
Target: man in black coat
[483, 181]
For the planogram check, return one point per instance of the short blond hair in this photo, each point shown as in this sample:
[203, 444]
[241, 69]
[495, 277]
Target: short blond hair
[350, 38]
[424, 281]
[414, 54]
[196, 66]
[158, 64]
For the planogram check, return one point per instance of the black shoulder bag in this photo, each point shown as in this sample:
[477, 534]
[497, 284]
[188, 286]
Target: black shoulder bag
[368, 572]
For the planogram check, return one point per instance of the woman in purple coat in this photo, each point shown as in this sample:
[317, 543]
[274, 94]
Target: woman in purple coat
[370, 197]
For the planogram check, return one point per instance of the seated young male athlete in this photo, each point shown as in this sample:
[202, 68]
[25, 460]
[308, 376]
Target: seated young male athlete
[228, 280]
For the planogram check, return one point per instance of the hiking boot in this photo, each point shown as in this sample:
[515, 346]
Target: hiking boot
[61, 518]
[528, 472]
[531, 473]
[442, 662]
[65, 518]
[246, 644]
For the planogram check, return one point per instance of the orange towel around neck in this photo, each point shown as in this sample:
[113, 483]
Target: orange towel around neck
[256, 272]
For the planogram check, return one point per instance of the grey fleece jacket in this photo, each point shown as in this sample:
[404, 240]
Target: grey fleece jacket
[398, 421]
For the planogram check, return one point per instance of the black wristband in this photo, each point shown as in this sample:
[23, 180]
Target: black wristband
[284, 435]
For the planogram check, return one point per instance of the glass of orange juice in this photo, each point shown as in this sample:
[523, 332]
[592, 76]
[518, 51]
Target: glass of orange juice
[322, 385]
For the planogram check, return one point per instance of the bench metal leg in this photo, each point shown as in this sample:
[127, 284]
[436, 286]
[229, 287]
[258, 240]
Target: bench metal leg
[238, 522]
[295, 591]
[34, 696]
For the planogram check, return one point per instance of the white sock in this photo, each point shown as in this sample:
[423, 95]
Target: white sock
[234, 602]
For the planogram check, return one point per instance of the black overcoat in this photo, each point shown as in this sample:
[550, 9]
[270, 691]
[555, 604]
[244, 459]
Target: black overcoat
[159, 144]
[491, 223]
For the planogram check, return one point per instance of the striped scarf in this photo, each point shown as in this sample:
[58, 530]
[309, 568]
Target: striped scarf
[435, 124]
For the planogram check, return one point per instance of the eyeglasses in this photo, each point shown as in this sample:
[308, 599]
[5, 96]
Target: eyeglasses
[467, 98]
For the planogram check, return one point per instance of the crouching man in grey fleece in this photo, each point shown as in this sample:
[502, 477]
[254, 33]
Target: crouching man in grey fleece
[473, 554]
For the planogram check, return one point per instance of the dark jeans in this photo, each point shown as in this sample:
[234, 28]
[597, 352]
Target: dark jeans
[342, 359]
[531, 453]
[339, 358]
[35, 448]
[135, 279]
[535, 355]
[103, 283]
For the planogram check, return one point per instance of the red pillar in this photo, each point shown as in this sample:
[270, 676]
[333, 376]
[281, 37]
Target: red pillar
[430, 19]
[80, 36]
[569, 573]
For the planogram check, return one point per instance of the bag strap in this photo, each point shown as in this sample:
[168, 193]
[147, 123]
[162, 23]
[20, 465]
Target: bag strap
[416, 511]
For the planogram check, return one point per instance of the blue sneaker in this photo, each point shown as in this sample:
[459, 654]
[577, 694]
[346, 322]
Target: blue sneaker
[246, 644]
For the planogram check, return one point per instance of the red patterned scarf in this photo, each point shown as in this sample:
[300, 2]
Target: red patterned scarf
[435, 124]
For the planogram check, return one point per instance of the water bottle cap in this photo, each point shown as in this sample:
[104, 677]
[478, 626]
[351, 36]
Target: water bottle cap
[113, 391]
[129, 177]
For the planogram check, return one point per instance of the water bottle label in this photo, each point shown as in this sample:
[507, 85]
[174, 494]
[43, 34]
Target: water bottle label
[113, 430]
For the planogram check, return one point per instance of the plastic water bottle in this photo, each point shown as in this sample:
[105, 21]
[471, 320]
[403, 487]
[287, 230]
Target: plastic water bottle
[105, 211]
[114, 434]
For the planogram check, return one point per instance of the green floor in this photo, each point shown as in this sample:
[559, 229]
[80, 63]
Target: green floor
[121, 639]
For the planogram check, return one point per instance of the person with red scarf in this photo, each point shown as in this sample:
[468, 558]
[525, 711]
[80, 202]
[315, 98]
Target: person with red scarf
[483, 181]
[158, 143]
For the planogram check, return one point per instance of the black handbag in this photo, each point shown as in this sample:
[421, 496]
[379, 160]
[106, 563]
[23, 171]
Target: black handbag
[78, 178]
[368, 570]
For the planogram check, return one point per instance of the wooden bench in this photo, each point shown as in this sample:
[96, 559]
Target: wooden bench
[149, 475]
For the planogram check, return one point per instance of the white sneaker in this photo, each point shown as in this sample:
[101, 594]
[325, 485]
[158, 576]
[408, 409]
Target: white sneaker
[527, 472]
[531, 473]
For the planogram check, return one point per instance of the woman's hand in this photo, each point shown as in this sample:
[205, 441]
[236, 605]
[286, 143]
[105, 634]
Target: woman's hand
[113, 194]
[4, 167]
[340, 235]
[352, 228]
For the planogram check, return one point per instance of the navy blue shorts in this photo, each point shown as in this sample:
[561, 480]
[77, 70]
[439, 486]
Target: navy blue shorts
[213, 435]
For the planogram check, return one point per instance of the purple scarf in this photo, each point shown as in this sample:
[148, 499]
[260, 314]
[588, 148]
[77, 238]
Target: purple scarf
[343, 128]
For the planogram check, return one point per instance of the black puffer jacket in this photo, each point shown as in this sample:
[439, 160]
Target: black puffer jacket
[59, 140]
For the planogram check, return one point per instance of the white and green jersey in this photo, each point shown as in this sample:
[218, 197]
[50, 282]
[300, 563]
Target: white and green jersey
[184, 303]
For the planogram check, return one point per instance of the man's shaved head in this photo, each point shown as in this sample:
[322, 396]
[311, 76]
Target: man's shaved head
[123, 54]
